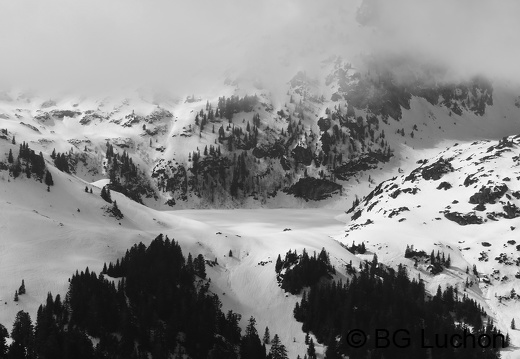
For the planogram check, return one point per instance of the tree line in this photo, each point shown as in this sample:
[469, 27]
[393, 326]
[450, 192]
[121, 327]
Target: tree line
[380, 297]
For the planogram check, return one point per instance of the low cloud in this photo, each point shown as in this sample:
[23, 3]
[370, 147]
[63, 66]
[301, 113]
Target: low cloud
[187, 45]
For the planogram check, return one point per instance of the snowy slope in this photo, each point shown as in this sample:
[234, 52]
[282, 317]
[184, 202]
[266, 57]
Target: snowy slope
[462, 202]
[44, 240]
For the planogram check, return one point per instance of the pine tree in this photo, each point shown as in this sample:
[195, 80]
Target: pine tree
[279, 264]
[513, 325]
[21, 290]
[105, 194]
[16, 296]
[86, 189]
[363, 249]
[267, 336]
[14, 141]
[230, 254]
[4, 334]
[278, 350]
[311, 350]
[199, 264]
[251, 346]
[10, 158]
[23, 337]
[116, 211]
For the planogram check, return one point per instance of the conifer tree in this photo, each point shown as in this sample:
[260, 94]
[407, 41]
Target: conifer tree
[21, 290]
[105, 194]
[4, 334]
[311, 350]
[16, 296]
[116, 211]
[10, 158]
[278, 266]
[199, 265]
[267, 336]
[23, 337]
[278, 350]
[513, 325]
[251, 346]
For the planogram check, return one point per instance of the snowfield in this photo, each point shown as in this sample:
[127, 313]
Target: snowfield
[44, 240]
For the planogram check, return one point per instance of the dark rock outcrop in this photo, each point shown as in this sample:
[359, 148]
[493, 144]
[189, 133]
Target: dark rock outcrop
[463, 219]
[315, 189]
[64, 113]
[436, 170]
[488, 194]
[365, 162]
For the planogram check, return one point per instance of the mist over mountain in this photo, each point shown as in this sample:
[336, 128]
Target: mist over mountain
[261, 166]
[184, 47]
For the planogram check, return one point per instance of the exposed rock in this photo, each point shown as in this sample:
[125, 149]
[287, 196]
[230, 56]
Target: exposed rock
[42, 117]
[314, 189]
[511, 210]
[444, 185]
[480, 207]
[88, 118]
[157, 115]
[488, 194]
[132, 119]
[397, 211]
[122, 142]
[30, 126]
[365, 162]
[64, 113]
[436, 170]
[470, 179]
[463, 219]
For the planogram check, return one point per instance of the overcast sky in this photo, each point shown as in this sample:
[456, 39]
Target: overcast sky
[184, 45]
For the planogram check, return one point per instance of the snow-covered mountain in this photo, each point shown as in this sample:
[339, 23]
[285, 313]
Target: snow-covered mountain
[327, 141]
[463, 202]
[242, 146]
